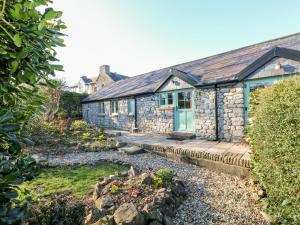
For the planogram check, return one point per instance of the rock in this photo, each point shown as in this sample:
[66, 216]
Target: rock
[107, 188]
[120, 144]
[267, 217]
[146, 179]
[131, 150]
[155, 222]
[127, 214]
[93, 216]
[152, 213]
[104, 202]
[167, 220]
[132, 172]
[107, 220]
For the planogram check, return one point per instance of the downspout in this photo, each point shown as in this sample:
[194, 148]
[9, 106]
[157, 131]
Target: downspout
[135, 114]
[216, 114]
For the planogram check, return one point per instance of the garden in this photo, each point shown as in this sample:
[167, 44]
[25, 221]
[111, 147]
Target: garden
[95, 184]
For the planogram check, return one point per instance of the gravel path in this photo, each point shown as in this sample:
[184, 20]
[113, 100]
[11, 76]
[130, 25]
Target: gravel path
[213, 198]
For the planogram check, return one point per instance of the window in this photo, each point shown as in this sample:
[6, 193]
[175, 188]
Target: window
[130, 106]
[166, 99]
[101, 107]
[170, 98]
[113, 106]
[184, 100]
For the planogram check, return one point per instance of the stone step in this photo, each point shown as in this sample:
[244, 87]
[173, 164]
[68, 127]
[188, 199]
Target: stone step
[131, 150]
[180, 136]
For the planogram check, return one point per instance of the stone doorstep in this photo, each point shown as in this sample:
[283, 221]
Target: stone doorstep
[181, 136]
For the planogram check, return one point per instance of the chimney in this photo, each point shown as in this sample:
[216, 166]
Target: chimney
[104, 69]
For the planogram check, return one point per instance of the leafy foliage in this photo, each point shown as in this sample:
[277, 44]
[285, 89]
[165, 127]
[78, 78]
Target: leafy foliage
[70, 104]
[275, 141]
[163, 178]
[28, 36]
[79, 125]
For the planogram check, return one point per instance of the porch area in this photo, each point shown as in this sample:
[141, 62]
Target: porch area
[231, 158]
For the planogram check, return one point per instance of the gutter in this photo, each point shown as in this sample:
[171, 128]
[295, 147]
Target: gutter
[216, 114]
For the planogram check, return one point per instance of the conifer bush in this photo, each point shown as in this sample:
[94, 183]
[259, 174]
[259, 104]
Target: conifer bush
[274, 134]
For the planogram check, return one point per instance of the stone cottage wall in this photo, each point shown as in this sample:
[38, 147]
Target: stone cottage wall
[151, 118]
[231, 113]
[121, 120]
[205, 113]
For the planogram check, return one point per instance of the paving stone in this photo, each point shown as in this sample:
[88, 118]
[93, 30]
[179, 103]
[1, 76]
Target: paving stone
[132, 150]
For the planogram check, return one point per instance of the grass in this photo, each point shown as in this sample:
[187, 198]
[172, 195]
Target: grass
[78, 181]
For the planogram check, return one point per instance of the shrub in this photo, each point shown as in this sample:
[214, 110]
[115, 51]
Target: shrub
[102, 138]
[70, 104]
[57, 210]
[163, 178]
[79, 125]
[86, 136]
[275, 142]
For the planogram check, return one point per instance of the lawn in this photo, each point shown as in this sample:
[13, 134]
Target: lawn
[78, 181]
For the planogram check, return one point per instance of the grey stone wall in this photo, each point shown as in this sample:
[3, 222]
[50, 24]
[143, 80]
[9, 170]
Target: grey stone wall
[121, 120]
[231, 113]
[151, 118]
[205, 113]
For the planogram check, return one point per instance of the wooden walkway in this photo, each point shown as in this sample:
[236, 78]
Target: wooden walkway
[232, 158]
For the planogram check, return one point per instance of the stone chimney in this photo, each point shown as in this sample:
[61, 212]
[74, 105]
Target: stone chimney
[104, 69]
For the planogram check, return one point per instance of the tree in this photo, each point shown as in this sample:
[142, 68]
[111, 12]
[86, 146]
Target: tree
[28, 37]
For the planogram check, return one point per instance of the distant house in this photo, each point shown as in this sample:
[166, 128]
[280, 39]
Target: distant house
[90, 85]
[208, 96]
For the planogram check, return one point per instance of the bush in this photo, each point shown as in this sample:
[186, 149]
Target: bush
[163, 178]
[79, 125]
[70, 104]
[58, 210]
[275, 142]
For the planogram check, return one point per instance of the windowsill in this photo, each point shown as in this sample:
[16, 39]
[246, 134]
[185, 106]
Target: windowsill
[166, 108]
[101, 114]
[114, 114]
[130, 114]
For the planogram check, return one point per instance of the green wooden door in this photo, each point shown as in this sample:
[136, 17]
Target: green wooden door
[184, 118]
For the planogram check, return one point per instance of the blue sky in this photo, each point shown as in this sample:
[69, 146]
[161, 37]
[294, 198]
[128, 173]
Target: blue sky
[138, 36]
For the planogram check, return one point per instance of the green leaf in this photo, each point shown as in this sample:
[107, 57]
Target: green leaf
[16, 11]
[6, 117]
[14, 66]
[41, 25]
[51, 14]
[2, 51]
[10, 127]
[17, 40]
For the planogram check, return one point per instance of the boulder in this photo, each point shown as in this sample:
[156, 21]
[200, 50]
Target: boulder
[127, 214]
[146, 178]
[120, 144]
[152, 212]
[107, 220]
[131, 150]
[132, 172]
[93, 216]
[104, 202]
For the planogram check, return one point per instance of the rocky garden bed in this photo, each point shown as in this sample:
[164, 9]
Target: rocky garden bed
[134, 198]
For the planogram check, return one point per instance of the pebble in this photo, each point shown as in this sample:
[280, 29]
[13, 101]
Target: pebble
[213, 197]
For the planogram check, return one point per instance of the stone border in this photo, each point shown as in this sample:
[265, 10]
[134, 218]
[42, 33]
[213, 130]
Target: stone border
[230, 164]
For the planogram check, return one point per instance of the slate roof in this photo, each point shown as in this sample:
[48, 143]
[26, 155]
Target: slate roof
[117, 77]
[217, 68]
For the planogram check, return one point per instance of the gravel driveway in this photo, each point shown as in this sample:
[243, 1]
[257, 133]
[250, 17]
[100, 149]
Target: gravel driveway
[213, 198]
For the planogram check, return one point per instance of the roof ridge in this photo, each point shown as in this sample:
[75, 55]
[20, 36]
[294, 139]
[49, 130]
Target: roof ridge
[218, 54]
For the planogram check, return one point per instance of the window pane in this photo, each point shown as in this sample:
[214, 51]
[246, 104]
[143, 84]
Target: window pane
[170, 98]
[162, 99]
[130, 104]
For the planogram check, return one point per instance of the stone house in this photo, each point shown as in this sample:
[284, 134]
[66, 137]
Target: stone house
[90, 85]
[208, 97]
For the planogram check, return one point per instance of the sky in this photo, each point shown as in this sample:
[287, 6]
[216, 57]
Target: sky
[139, 36]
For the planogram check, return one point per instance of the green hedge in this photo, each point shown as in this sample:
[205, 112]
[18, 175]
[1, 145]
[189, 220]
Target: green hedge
[274, 134]
[70, 104]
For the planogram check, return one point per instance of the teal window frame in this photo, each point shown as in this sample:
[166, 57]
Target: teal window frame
[166, 99]
[130, 106]
[114, 106]
[101, 108]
